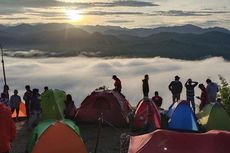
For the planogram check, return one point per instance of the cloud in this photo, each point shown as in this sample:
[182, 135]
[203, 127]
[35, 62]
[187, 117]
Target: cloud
[101, 13]
[80, 76]
[187, 13]
[119, 21]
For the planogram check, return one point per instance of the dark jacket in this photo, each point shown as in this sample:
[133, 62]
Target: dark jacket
[175, 87]
[145, 86]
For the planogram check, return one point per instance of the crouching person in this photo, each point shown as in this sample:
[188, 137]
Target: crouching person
[7, 128]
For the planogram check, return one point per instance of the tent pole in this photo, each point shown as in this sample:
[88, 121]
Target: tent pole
[3, 66]
[100, 120]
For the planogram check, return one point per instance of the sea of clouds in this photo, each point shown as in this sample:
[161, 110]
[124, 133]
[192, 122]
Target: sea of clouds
[79, 76]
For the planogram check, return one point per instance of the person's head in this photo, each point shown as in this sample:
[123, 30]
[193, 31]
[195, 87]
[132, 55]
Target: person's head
[27, 87]
[15, 92]
[46, 88]
[208, 81]
[146, 76]
[218, 100]
[68, 98]
[201, 86]
[177, 77]
[114, 77]
[156, 93]
[35, 91]
[189, 81]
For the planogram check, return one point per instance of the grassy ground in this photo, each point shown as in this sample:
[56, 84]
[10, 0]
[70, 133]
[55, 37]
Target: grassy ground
[109, 140]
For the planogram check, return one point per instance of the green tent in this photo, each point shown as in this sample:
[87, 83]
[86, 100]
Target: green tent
[214, 117]
[42, 129]
[52, 103]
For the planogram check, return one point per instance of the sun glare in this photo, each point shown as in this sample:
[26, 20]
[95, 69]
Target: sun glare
[73, 15]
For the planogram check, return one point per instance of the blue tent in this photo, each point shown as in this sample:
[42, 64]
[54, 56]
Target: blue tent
[182, 117]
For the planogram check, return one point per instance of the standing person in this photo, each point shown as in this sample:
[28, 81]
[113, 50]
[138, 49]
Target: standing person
[117, 84]
[212, 89]
[4, 100]
[6, 91]
[157, 99]
[15, 101]
[7, 129]
[203, 97]
[145, 86]
[35, 108]
[27, 98]
[176, 88]
[190, 85]
[70, 109]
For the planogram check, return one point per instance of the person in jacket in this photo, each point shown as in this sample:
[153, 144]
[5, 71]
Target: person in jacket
[212, 89]
[15, 101]
[190, 85]
[27, 98]
[35, 109]
[176, 88]
[117, 84]
[70, 108]
[157, 99]
[203, 97]
[145, 86]
[7, 129]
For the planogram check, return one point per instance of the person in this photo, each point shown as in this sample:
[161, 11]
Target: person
[4, 100]
[46, 88]
[204, 96]
[6, 91]
[145, 86]
[176, 88]
[70, 109]
[27, 98]
[35, 109]
[15, 101]
[117, 84]
[157, 99]
[190, 85]
[212, 89]
[7, 128]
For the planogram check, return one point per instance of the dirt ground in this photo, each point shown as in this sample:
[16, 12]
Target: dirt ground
[109, 139]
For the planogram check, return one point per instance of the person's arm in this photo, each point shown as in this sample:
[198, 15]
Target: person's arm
[195, 83]
[170, 86]
[186, 83]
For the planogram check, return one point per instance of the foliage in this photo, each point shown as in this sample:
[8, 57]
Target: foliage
[225, 93]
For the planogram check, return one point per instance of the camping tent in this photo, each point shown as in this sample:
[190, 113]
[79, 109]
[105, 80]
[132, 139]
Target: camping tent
[181, 117]
[112, 105]
[52, 103]
[22, 111]
[146, 113]
[214, 117]
[164, 141]
[57, 137]
[7, 128]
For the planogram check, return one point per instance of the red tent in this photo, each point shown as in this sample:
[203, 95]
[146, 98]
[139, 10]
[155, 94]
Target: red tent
[22, 111]
[164, 141]
[113, 105]
[7, 129]
[146, 113]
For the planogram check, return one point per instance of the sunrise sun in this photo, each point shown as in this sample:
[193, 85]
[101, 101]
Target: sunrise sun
[73, 15]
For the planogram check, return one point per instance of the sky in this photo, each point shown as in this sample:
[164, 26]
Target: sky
[79, 76]
[124, 13]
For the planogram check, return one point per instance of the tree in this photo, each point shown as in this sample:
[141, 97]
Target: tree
[225, 93]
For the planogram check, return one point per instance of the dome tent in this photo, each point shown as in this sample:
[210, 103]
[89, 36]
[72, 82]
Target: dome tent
[114, 107]
[50, 136]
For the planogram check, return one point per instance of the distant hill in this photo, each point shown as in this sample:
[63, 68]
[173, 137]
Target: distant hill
[181, 42]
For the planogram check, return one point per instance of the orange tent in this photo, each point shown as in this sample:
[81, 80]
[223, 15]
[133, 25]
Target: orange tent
[22, 111]
[52, 136]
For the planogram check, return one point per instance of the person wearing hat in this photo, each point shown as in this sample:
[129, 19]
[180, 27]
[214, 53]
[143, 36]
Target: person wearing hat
[176, 88]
